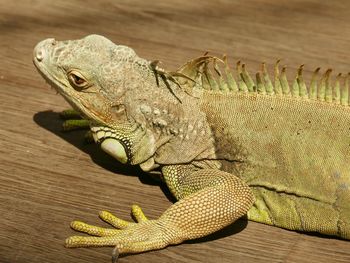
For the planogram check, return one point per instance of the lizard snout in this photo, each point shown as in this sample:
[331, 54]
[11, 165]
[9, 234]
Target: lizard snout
[40, 50]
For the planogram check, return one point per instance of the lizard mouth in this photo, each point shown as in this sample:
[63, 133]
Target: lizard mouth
[39, 57]
[60, 88]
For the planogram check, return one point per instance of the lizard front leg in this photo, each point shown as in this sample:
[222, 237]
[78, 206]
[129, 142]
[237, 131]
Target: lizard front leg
[208, 201]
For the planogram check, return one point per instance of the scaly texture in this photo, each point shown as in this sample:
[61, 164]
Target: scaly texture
[219, 138]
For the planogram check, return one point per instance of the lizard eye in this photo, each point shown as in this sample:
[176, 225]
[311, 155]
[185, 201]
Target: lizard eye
[77, 80]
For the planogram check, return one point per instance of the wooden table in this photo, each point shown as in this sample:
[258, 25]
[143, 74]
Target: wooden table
[48, 178]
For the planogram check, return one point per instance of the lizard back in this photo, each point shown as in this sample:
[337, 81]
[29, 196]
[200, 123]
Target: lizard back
[293, 152]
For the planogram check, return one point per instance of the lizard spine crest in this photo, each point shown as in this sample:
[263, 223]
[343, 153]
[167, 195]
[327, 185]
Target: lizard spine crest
[204, 73]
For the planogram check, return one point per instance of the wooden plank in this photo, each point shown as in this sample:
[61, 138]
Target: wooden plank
[48, 178]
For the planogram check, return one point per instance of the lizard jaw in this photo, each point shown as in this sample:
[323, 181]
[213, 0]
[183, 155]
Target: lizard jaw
[41, 58]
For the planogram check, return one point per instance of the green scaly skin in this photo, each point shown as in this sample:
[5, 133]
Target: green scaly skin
[219, 139]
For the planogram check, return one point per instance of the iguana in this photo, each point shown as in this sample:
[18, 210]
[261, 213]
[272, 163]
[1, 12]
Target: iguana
[225, 144]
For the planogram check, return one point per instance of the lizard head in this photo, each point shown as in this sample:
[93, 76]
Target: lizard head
[133, 107]
[94, 76]
[82, 72]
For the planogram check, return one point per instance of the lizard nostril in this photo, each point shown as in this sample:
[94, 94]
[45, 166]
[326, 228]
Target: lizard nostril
[53, 41]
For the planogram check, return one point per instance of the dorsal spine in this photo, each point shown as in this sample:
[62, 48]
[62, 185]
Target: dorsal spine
[320, 87]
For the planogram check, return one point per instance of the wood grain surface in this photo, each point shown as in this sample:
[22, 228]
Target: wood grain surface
[48, 178]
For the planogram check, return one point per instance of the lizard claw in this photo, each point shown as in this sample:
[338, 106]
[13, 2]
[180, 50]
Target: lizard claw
[115, 255]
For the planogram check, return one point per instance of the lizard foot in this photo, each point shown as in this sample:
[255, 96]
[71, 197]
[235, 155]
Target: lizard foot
[74, 121]
[127, 237]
